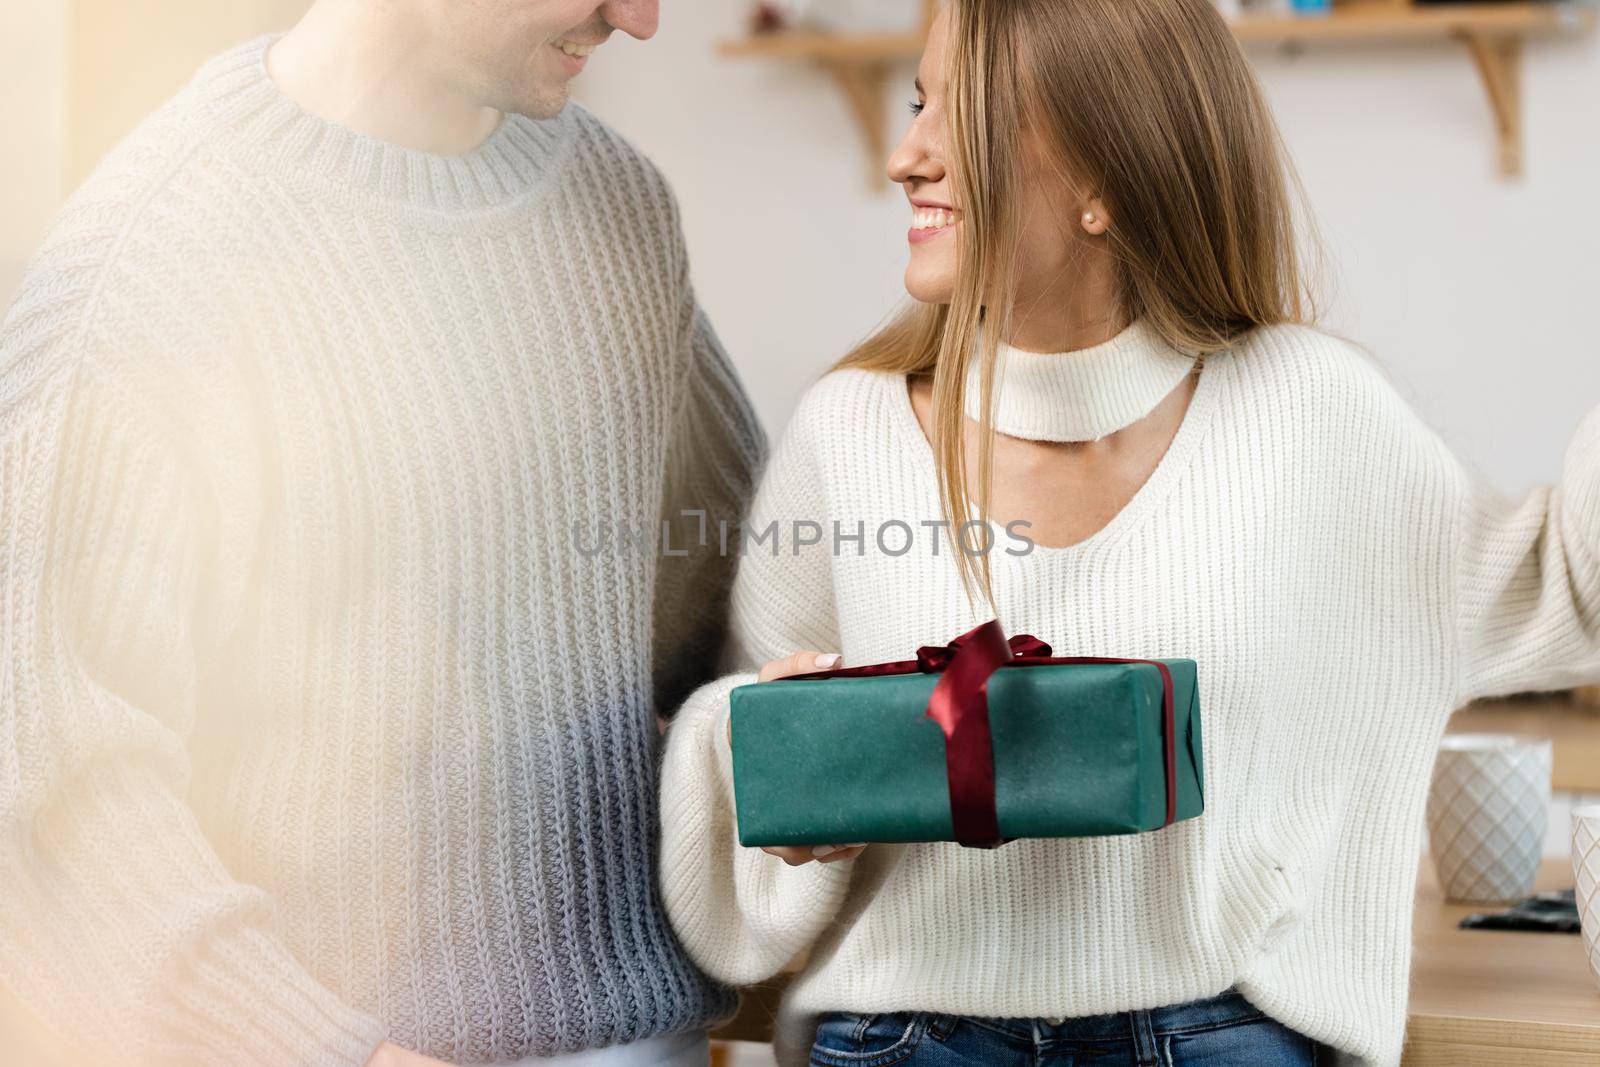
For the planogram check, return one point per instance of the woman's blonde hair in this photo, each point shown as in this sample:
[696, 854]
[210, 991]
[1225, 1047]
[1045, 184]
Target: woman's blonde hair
[1148, 105]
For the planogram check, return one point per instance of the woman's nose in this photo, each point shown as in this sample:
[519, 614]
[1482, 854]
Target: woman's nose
[915, 159]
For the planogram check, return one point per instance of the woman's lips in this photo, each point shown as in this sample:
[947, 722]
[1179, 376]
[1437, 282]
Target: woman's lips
[931, 221]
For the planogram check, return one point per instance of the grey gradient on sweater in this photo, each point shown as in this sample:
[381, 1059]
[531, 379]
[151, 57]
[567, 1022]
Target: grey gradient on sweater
[314, 731]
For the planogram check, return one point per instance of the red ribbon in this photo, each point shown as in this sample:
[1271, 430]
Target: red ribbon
[960, 705]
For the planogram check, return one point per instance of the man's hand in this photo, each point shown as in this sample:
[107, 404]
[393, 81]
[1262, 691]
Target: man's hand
[805, 663]
[394, 1056]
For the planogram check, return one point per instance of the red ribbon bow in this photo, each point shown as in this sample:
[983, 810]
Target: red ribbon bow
[960, 705]
[931, 659]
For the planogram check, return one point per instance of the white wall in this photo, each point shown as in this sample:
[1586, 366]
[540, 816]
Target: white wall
[33, 41]
[77, 75]
[794, 258]
[1480, 293]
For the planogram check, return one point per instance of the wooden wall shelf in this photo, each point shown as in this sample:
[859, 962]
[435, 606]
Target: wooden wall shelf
[1379, 20]
[1492, 33]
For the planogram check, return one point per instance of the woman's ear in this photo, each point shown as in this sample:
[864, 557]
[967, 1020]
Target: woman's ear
[1094, 220]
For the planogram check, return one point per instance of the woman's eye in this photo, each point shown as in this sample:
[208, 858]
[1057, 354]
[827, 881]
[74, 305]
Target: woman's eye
[917, 107]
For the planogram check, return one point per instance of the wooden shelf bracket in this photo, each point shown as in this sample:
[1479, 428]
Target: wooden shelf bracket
[864, 86]
[1499, 62]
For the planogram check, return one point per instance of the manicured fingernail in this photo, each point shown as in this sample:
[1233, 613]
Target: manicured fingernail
[861, 845]
[824, 850]
[827, 660]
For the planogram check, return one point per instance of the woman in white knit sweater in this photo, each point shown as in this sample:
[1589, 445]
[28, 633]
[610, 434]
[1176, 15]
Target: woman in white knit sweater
[1190, 474]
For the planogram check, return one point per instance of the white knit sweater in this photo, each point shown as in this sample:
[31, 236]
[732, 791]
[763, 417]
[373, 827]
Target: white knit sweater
[332, 624]
[1343, 583]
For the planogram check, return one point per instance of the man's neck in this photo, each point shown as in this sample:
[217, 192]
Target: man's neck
[350, 64]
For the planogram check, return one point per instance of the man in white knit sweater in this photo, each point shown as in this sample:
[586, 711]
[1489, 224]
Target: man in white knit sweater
[321, 741]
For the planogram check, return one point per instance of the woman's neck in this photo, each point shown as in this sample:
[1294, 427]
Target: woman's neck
[1065, 336]
[1070, 317]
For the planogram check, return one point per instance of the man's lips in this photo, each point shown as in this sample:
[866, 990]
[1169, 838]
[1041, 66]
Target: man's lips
[577, 49]
[575, 54]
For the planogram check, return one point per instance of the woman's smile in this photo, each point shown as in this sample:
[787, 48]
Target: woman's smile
[930, 220]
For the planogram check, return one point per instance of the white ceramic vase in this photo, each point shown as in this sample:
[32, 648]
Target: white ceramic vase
[1586, 879]
[1487, 814]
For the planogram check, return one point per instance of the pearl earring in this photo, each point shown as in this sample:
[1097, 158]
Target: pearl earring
[1088, 218]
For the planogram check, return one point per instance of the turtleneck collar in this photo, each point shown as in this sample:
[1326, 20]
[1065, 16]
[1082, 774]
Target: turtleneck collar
[285, 139]
[1083, 395]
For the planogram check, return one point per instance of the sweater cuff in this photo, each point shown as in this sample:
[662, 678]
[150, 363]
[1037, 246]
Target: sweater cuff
[1580, 483]
[811, 890]
[253, 1003]
[741, 913]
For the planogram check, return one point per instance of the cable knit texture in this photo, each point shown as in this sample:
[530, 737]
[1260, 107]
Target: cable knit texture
[327, 706]
[1343, 583]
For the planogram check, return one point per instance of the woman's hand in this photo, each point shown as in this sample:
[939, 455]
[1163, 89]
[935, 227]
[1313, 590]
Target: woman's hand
[805, 663]
[801, 855]
[799, 663]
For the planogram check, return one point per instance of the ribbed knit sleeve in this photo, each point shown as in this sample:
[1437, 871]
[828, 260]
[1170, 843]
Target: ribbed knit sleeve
[1528, 579]
[783, 601]
[713, 459]
[120, 930]
[741, 912]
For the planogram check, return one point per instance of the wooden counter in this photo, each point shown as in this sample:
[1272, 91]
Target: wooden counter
[1491, 998]
[1573, 727]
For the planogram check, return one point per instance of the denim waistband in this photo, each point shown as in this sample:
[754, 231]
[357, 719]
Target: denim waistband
[1223, 1009]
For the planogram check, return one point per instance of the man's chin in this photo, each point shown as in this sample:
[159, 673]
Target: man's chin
[539, 102]
[547, 107]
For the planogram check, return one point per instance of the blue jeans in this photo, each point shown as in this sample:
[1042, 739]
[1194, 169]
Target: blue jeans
[1222, 1031]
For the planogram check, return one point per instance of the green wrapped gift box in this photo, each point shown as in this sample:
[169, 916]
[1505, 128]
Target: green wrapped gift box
[1072, 747]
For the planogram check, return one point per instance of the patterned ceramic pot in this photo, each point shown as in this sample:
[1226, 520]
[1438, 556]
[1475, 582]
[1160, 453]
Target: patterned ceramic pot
[1487, 814]
[1586, 878]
